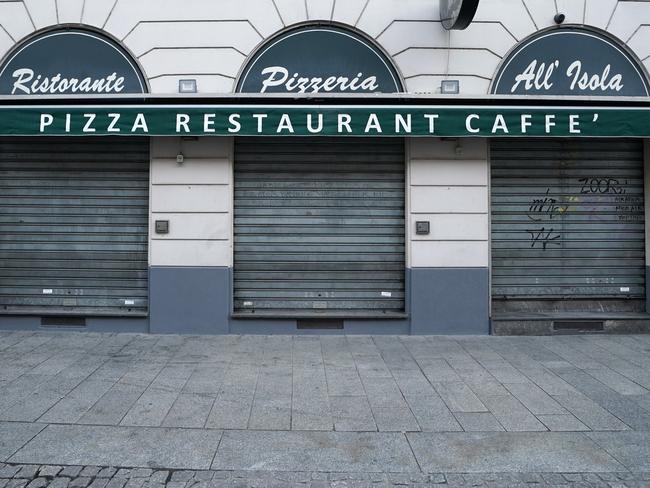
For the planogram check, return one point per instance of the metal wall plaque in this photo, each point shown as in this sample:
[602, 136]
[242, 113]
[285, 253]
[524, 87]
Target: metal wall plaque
[71, 62]
[571, 61]
[457, 14]
[319, 59]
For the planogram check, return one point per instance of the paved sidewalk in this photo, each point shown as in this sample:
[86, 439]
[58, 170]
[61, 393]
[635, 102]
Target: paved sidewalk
[382, 410]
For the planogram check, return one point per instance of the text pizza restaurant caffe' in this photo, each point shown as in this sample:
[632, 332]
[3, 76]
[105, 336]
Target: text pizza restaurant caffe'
[326, 177]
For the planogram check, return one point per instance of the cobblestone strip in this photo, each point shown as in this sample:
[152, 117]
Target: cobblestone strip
[42, 476]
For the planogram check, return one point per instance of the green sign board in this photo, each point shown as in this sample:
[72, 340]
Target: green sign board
[327, 120]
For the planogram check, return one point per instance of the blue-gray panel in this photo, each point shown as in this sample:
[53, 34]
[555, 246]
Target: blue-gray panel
[93, 324]
[190, 300]
[289, 326]
[449, 301]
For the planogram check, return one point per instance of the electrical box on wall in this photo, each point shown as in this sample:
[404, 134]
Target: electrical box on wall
[422, 227]
[162, 226]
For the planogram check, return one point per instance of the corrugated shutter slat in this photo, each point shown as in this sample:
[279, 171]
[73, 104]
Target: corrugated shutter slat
[74, 226]
[567, 219]
[319, 227]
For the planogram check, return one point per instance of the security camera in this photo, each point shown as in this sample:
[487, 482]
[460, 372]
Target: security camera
[559, 18]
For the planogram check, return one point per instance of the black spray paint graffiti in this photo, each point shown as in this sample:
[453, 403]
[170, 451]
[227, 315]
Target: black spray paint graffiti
[546, 207]
[602, 185]
[542, 209]
[544, 237]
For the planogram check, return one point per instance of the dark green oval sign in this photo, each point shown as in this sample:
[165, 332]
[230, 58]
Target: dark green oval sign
[319, 59]
[72, 62]
[570, 61]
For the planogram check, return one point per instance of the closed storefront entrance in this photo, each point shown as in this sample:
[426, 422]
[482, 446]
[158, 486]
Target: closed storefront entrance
[74, 226]
[319, 227]
[567, 225]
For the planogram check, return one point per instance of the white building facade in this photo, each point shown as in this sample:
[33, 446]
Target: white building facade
[468, 181]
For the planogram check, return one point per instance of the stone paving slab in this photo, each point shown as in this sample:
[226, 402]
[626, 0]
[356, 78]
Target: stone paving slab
[125, 446]
[550, 452]
[630, 448]
[14, 435]
[381, 383]
[330, 403]
[314, 451]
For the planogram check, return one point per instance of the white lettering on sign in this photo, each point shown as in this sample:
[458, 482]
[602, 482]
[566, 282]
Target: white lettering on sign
[539, 76]
[25, 82]
[279, 76]
[316, 122]
[594, 82]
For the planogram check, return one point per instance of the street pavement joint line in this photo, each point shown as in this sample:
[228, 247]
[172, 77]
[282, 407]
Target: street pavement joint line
[28, 441]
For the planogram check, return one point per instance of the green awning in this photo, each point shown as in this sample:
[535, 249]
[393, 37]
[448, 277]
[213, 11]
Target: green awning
[241, 119]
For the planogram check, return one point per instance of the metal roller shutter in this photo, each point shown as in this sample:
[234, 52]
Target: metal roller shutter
[319, 227]
[74, 226]
[567, 219]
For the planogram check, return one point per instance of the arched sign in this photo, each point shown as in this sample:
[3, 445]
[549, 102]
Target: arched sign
[319, 59]
[571, 61]
[71, 62]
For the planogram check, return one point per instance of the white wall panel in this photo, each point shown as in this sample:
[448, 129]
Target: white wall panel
[319, 9]
[348, 11]
[204, 147]
[541, 12]
[640, 42]
[15, 19]
[448, 172]
[6, 42]
[511, 13]
[209, 40]
[431, 84]
[435, 148]
[292, 11]
[128, 13]
[448, 186]
[96, 12]
[449, 254]
[196, 198]
[210, 226]
[452, 227]
[204, 83]
[477, 62]
[70, 11]
[598, 12]
[628, 16]
[202, 171]
[574, 11]
[491, 36]
[403, 34]
[42, 12]
[190, 253]
[449, 199]
[209, 61]
[239, 35]
[379, 14]
[190, 198]
[417, 62]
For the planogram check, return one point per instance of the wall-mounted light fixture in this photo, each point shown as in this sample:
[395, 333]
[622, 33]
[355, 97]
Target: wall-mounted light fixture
[187, 86]
[450, 87]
